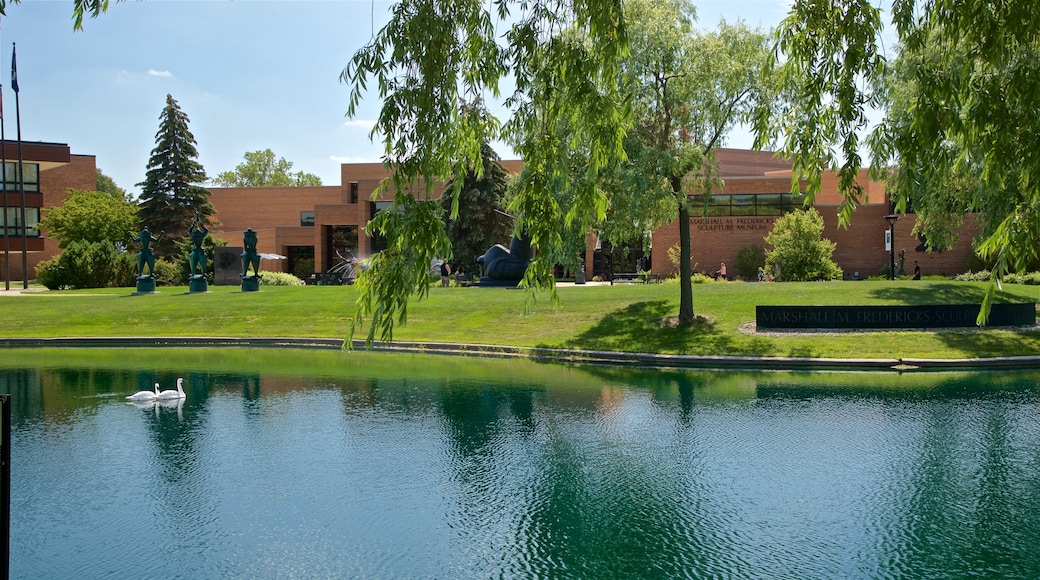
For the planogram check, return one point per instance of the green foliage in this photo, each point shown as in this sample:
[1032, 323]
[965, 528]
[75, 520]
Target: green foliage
[106, 184]
[261, 169]
[961, 113]
[474, 222]
[84, 264]
[434, 57]
[688, 90]
[799, 249]
[750, 257]
[90, 216]
[167, 273]
[279, 279]
[170, 194]
[303, 267]
[1028, 278]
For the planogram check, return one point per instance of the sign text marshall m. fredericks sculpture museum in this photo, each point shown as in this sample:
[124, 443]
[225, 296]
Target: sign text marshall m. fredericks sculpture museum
[890, 317]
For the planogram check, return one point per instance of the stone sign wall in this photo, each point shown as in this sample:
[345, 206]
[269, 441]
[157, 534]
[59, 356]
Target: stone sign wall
[890, 317]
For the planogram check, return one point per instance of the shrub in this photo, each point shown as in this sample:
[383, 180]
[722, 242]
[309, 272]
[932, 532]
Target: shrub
[279, 279]
[969, 276]
[167, 273]
[85, 264]
[50, 274]
[750, 257]
[800, 249]
[1029, 278]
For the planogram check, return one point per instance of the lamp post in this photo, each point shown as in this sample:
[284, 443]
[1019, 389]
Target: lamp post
[891, 219]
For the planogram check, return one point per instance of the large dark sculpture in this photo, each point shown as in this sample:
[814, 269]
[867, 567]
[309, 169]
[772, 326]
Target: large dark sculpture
[504, 267]
[146, 283]
[197, 258]
[250, 257]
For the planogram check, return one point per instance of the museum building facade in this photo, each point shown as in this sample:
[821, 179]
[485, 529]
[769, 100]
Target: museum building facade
[316, 228]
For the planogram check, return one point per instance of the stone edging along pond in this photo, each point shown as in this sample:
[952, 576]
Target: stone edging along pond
[552, 355]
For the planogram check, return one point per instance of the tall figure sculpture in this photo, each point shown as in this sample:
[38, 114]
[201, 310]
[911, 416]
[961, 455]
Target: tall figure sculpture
[197, 258]
[250, 257]
[146, 283]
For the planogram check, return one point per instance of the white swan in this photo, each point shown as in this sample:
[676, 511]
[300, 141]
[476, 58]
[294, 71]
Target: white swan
[145, 395]
[172, 394]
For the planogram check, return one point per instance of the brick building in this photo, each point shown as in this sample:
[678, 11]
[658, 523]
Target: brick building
[313, 226]
[50, 169]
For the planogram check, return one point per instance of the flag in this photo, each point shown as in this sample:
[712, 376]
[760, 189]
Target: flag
[14, 68]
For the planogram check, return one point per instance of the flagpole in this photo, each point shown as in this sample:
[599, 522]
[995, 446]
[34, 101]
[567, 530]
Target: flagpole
[21, 168]
[3, 191]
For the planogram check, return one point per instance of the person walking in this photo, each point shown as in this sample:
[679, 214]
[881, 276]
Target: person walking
[445, 274]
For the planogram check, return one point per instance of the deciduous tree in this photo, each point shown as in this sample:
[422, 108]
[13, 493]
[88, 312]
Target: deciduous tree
[262, 169]
[108, 185]
[90, 216]
[434, 56]
[966, 107]
[688, 90]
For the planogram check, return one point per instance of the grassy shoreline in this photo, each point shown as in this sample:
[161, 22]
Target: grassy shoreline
[623, 317]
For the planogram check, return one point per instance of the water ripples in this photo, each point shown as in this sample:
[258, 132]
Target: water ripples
[471, 479]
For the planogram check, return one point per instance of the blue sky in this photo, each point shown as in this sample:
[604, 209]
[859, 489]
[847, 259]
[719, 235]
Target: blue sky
[250, 75]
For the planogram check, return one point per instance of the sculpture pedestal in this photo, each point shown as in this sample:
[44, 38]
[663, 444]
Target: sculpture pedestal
[250, 283]
[145, 285]
[197, 283]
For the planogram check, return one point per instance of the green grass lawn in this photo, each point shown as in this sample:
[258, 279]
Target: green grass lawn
[623, 317]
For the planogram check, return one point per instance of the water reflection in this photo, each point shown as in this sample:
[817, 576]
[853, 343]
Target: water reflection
[424, 467]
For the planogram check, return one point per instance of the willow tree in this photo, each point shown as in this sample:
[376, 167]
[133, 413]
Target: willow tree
[688, 90]
[432, 58]
[964, 108]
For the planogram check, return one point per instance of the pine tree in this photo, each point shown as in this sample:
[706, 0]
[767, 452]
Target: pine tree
[478, 225]
[171, 193]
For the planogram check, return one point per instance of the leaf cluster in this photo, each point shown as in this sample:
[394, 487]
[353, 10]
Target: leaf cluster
[89, 216]
[429, 64]
[262, 169]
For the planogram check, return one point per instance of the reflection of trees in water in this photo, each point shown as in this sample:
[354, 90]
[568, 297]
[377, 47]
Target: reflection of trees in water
[578, 500]
[25, 388]
[963, 495]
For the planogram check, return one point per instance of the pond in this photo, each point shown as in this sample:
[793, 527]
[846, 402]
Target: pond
[308, 464]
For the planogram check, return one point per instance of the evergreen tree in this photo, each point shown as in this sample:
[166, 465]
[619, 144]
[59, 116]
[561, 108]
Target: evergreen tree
[170, 194]
[475, 225]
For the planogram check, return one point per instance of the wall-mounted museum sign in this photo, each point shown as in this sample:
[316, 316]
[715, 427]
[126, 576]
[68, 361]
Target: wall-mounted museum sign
[890, 317]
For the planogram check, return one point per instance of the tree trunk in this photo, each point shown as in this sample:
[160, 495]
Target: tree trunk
[685, 273]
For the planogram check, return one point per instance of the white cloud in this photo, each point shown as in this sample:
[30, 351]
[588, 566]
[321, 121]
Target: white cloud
[363, 123]
[348, 159]
[160, 73]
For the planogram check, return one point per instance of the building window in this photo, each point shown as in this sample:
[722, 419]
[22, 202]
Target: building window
[307, 218]
[749, 204]
[31, 177]
[13, 225]
[353, 191]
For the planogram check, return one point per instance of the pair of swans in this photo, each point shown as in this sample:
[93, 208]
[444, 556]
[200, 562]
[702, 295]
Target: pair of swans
[157, 395]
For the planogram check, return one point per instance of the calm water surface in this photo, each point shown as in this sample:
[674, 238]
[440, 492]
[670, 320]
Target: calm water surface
[387, 466]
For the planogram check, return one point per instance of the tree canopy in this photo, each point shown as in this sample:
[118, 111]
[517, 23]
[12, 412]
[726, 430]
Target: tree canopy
[108, 185]
[961, 108]
[688, 90]
[90, 216]
[171, 193]
[432, 58]
[262, 169]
